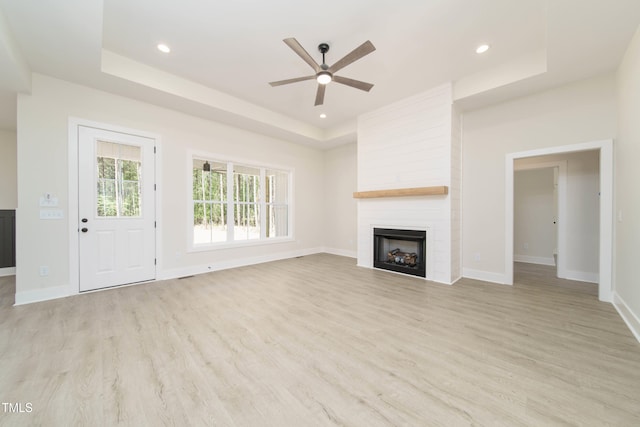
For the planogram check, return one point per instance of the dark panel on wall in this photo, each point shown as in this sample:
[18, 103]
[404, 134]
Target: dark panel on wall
[7, 238]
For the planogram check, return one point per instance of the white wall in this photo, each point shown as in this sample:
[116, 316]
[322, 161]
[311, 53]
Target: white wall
[340, 208]
[576, 113]
[8, 171]
[627, 199]
[534, 234]
[43, 120]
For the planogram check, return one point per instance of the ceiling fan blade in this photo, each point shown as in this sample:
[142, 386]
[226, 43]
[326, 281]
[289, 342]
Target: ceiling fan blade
[357, 53]
[297, 48]
[320, 95]
[286, 82]
[353, 83]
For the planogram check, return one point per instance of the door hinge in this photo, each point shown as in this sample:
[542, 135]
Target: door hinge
[154, 187]
[155, 224]
[155, 261]
[154, 149]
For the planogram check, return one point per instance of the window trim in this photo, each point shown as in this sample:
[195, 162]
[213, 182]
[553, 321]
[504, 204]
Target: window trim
[213, 157]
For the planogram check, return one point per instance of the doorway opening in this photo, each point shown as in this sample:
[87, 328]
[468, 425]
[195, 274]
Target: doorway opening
[540, 212]
[604, 211]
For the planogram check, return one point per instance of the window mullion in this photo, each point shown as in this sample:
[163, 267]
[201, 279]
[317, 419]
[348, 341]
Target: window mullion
[118, 176]
[263, 205]
[230, 205]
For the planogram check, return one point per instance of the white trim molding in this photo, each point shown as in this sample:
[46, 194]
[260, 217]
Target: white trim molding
[46, 294]
[7, 271]
[235, 263]
[39, 295]
[341, 252]
[485, 276]
[534, 260]
[630, 318]
[582, 276]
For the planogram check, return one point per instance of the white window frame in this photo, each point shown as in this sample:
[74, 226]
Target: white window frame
[230, 243]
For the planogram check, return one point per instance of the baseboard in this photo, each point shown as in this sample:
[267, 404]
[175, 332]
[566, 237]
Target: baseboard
[241, 262]
[630, 318]
[534, 259]
[582, 276]
[341, 252]
[7, 271]
[39, 295]
[485, 276]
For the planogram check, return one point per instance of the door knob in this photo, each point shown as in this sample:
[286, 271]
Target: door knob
[84, 229]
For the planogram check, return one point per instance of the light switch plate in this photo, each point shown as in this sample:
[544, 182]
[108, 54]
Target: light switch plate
[48, 201]
[51, 214]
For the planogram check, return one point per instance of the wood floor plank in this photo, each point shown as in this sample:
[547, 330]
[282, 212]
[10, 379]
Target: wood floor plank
[317, 341]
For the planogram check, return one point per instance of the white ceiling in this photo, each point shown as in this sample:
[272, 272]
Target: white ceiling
[225, 53]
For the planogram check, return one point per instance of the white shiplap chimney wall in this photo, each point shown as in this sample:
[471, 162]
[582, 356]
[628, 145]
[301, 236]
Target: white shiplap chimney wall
[413, 143]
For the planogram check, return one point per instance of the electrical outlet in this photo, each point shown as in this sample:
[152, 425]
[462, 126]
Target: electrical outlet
[526, 246]
[476, 257]
[44, 270]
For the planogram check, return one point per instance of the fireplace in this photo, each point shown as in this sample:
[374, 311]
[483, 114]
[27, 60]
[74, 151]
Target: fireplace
[403, 251]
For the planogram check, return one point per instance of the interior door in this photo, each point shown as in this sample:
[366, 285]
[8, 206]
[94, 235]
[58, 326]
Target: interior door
[116, 190]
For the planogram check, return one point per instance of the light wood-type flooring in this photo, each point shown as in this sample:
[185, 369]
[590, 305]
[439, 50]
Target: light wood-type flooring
[317, 341]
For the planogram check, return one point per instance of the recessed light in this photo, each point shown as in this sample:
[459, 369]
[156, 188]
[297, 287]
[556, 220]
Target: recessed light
[323, 116]
[482, 48]
[164, 48]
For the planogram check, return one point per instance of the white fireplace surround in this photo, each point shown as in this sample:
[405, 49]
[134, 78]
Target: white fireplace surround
[413, 143]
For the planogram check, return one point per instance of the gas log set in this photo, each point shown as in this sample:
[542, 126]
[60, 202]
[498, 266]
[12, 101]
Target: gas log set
[396, 256]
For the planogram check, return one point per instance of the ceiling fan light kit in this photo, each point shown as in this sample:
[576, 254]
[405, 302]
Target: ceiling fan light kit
[324, 73]
[324, 77]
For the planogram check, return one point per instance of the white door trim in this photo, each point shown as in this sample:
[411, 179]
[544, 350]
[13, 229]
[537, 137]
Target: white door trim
[562, 208]
[605, 147]
[72, 144]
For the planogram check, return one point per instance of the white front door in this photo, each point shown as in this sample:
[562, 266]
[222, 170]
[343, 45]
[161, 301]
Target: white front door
[116, 208]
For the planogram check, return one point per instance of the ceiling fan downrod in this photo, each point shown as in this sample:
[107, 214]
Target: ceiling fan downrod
[323, 48]
[324, 77]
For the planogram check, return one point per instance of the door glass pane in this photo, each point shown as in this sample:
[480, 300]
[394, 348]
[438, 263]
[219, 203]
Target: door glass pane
[119, 180]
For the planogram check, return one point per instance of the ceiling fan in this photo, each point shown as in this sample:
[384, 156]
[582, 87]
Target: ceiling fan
[325, 74]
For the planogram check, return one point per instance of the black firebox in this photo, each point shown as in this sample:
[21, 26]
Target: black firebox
[403, 251]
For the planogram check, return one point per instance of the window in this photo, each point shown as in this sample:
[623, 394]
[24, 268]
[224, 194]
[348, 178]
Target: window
[246, 203]
[209, 202]
[235, 202]
[276, 194]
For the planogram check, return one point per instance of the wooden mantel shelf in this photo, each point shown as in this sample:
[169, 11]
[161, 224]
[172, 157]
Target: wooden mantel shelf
[403, 192]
